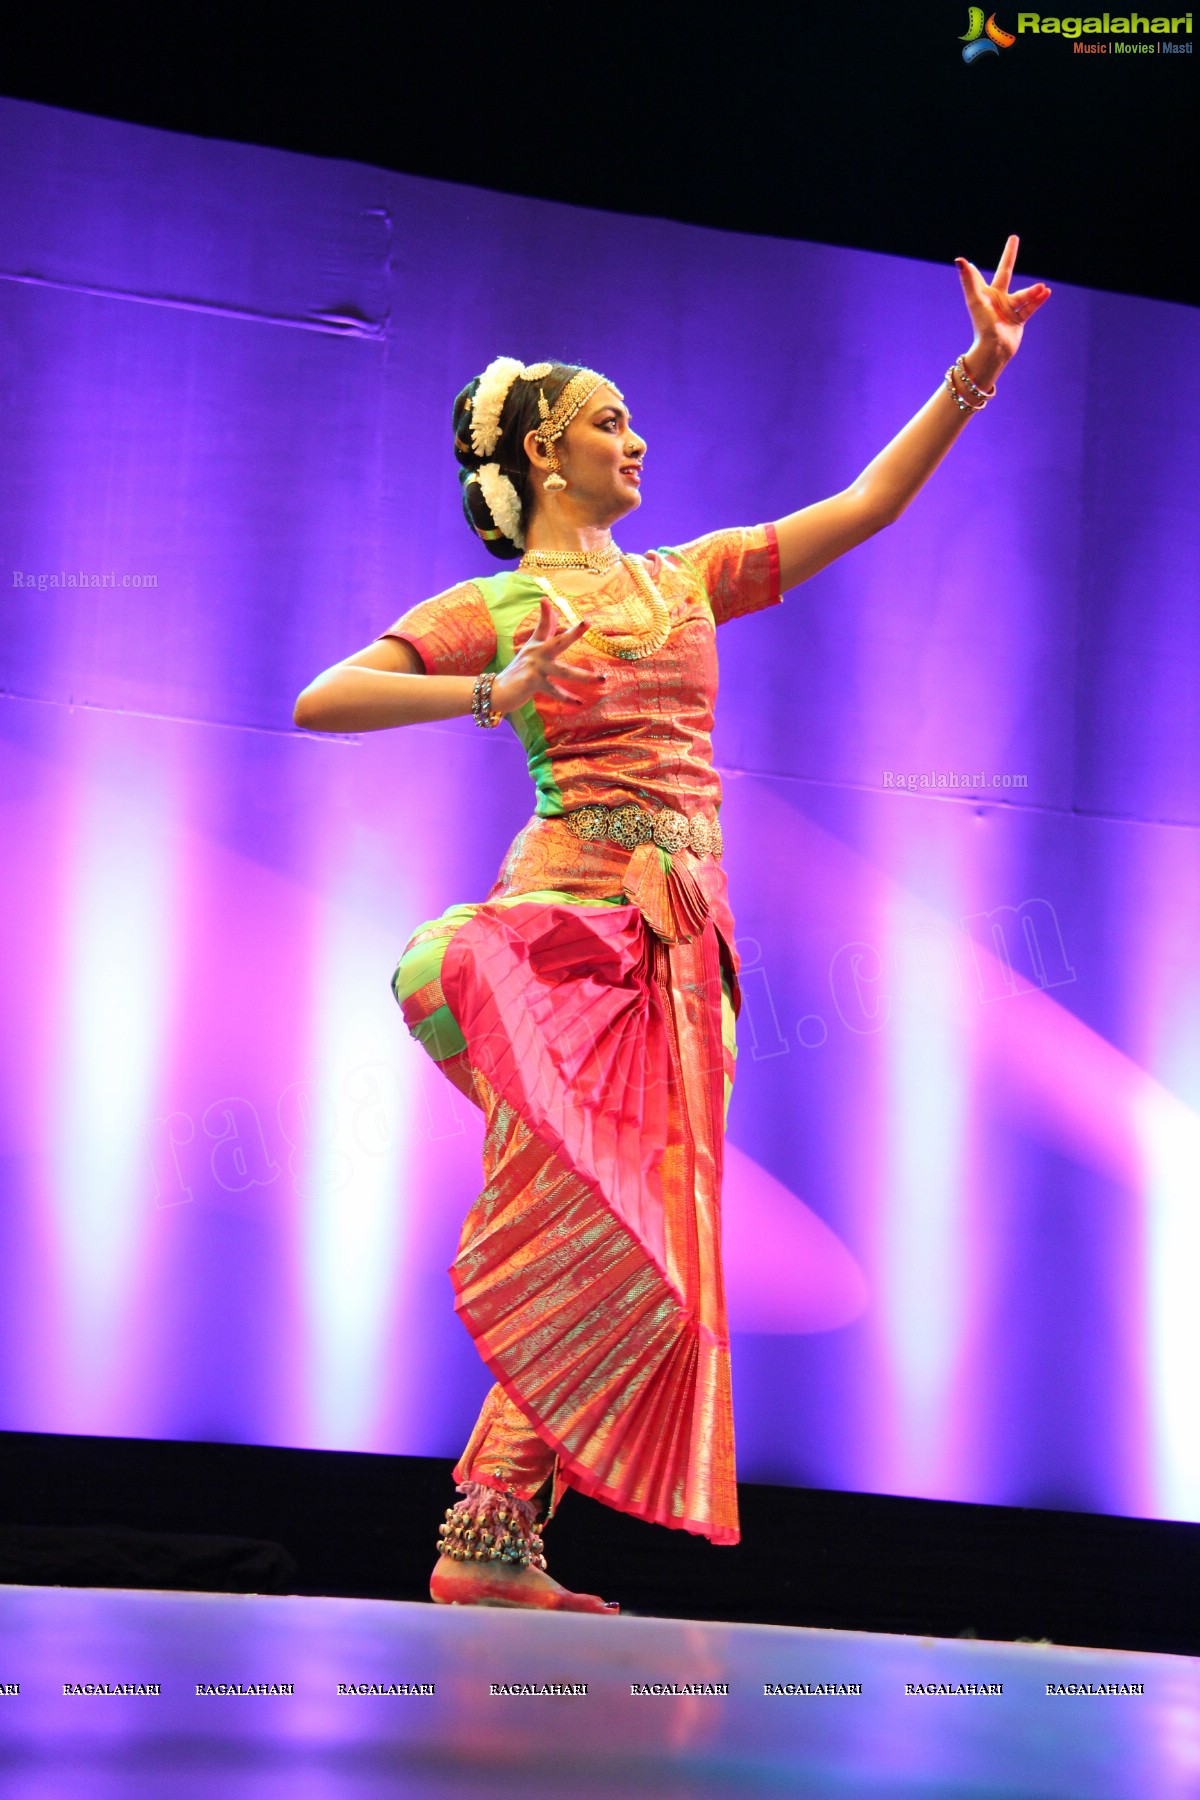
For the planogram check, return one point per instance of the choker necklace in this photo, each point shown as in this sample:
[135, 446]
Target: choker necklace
[595, 561]
[630, 646]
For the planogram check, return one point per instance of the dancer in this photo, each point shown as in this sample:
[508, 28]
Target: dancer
[588, 1004]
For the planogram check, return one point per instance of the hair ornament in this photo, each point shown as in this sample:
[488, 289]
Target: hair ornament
[487, 403]
[503, 501]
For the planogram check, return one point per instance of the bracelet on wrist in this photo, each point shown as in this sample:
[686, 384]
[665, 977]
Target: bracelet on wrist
[980, 393]
[481, 702]
[963, 401]
[960, 400]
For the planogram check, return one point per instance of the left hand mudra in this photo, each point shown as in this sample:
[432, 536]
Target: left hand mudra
[999, 317]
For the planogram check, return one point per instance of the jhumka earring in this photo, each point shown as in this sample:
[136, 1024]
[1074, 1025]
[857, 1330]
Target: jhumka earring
[554, 482]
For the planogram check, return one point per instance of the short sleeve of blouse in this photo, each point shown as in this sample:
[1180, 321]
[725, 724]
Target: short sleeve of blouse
[452, 633]
[738, 569]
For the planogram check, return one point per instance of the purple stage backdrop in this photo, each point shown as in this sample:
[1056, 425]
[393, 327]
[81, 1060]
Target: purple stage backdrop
[963, 1199]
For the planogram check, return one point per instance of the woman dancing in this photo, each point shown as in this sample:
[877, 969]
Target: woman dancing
[587, 1005]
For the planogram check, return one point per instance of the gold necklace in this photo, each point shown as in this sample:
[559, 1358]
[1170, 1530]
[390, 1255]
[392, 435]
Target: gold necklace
[596, 561]
[630, 646]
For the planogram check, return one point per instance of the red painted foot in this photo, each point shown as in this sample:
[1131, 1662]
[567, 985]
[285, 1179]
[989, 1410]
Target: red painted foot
[456, 1583]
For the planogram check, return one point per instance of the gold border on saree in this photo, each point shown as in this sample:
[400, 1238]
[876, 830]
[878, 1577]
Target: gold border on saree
[630, 825]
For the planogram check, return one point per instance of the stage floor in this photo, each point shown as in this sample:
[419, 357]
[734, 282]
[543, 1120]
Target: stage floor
[851, 1726]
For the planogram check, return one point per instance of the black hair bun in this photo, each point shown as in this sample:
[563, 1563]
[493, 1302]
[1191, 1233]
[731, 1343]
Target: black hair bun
[478, 515]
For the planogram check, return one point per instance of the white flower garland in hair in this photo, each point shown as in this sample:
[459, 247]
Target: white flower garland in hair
[488, 403]
[504, 502]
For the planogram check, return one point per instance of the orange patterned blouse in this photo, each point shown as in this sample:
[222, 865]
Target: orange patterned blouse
[647, 738]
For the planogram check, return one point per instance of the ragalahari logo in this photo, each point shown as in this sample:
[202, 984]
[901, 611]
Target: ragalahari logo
[982, 39]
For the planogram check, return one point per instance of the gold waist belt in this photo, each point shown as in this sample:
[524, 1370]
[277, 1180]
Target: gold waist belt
[630, 825]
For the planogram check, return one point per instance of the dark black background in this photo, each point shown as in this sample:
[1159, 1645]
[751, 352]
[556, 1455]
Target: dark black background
[854, 124]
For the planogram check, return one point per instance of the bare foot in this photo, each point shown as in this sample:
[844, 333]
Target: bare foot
[455, 1583]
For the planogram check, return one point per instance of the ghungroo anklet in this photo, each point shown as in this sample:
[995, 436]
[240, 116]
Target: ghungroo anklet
[490, 1525]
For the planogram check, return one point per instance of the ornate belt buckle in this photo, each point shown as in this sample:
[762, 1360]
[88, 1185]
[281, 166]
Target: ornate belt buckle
[671, 829]
[699, 836]
[588, 822]
[629, 826]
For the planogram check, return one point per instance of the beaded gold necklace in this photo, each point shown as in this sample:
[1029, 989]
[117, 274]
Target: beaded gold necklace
[630, 646]
[596, 561]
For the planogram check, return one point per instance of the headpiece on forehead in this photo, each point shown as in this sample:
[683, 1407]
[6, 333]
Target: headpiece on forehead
[576, 394]
[556, 418]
